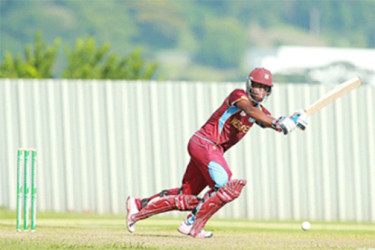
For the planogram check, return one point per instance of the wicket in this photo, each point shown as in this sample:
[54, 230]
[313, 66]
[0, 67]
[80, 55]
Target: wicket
[26, 162]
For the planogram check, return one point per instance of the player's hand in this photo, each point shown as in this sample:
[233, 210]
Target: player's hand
[285, 124]
[301, 119]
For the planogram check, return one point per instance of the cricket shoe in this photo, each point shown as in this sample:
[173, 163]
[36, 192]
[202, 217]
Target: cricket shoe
[186, 227]
[132, 208]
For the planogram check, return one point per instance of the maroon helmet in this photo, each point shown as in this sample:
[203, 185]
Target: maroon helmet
[261, 76]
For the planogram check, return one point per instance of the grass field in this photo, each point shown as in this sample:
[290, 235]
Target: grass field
[87, 231]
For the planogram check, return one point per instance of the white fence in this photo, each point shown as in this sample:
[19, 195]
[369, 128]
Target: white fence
[99, 141]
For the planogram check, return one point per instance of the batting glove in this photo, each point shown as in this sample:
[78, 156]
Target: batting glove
[285, 124]
[301, 119]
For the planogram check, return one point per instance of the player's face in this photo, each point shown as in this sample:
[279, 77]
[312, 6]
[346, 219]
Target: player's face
[259, 91]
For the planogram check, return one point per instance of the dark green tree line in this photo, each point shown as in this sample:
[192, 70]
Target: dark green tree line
[188, 25]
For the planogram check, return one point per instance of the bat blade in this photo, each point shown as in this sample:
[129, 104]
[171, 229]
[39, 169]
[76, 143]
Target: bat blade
[333, 94]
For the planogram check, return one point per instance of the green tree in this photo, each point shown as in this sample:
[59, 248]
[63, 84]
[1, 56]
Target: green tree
[88, 61]
[223, 43]
[158, 22]
[132, 66]
[38, 60]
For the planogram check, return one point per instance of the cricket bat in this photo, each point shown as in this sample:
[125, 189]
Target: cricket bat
[333, 94]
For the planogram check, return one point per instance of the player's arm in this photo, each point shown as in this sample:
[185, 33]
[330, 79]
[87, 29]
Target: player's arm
[283, 124]
[255, 113]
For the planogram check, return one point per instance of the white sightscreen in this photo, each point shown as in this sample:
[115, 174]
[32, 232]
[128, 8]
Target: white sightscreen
[99, 141]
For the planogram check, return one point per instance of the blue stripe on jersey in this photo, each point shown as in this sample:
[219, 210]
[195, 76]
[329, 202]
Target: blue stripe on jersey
[230, 111]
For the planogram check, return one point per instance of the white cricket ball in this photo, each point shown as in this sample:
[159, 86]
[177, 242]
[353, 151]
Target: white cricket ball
[306, 226]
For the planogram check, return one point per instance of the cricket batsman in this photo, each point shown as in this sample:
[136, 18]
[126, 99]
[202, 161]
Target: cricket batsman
[208, 167]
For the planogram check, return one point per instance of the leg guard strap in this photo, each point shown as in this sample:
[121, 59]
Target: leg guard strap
[225, 194]
[167, 203]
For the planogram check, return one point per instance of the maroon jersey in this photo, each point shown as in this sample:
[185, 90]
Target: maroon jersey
[229, 124]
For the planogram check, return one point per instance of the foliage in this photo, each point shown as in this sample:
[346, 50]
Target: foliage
[185, 25]
[38, 61]
[158, 22]
[222, 43]
[344, 23]
[87, 61]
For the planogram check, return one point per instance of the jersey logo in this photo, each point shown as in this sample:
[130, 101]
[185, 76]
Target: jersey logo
[242, 113]
[240, 126]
